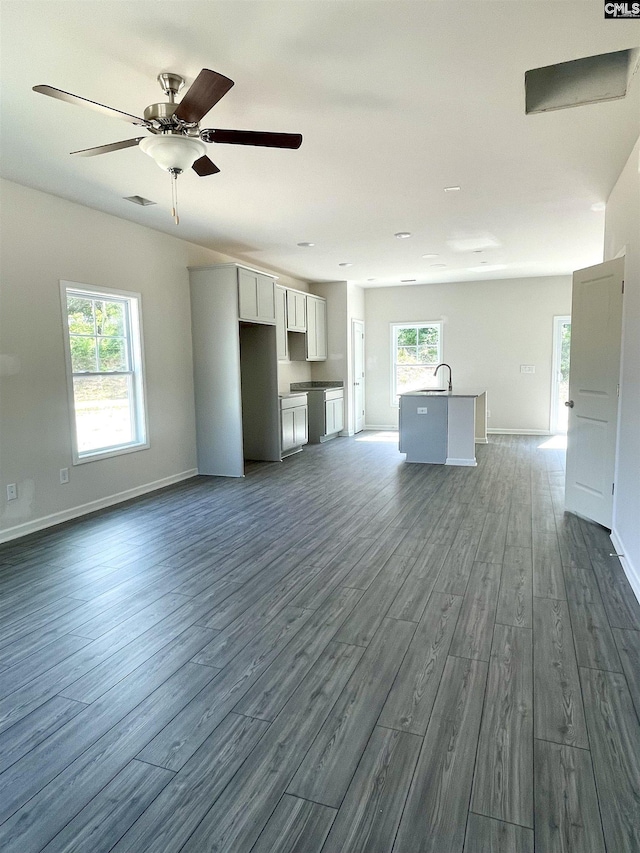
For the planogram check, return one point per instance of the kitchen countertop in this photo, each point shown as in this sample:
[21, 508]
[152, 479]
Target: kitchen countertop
[312, 385]
[435, 393]
[288, 394]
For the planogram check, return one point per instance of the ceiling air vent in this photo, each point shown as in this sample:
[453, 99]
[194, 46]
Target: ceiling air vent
[138, 199]
[605, 77]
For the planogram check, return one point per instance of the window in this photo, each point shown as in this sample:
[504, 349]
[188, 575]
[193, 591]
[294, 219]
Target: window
[105, 371]
[416, 349]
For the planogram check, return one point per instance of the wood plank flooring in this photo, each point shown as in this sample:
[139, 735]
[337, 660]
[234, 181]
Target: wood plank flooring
[341, 653]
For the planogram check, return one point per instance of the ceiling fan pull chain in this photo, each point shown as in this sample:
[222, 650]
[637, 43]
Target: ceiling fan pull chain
[174, 195]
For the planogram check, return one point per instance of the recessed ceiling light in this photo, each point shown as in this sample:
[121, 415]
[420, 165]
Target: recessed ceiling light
[438, 265]
[431, 255]
[306, 245]
[345, 264]
[452, 189]
[402, 235]
[371, 279]
[598, 206]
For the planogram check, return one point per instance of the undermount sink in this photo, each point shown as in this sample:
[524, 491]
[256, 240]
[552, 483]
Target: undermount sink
[434, 390]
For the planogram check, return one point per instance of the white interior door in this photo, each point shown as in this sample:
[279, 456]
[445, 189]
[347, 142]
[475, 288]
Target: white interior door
[596, 323]
[358, 375]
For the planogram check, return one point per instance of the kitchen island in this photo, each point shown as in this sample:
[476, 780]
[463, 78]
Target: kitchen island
[442, 427]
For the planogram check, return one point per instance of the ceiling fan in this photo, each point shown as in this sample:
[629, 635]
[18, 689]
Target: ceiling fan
[178, 141]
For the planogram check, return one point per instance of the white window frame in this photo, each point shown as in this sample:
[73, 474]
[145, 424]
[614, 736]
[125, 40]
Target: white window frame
[394, 327]
[137, 371]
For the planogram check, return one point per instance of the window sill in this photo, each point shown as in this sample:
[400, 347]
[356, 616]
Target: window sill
[109, 453]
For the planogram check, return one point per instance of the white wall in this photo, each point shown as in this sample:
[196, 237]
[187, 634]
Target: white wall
[622, 232]
[490, 329]
[335, 367]
[45, 239]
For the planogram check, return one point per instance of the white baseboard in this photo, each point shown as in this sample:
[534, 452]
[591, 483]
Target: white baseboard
[496, 430]
[45, 521]
[631, 571]
[469, 463]
[383, 428]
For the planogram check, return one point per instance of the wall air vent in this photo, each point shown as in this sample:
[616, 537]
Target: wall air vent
[138, 199]
[605, 77]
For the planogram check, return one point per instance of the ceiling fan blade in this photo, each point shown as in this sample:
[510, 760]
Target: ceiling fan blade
[105, 149]
[205, 91]
[203, 167]
[252, 137]
[85, 102]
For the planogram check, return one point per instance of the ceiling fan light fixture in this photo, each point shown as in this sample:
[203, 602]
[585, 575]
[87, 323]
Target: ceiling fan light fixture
[173, 152]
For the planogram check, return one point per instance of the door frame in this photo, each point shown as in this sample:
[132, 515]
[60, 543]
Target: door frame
[354, 378]
[559, 321]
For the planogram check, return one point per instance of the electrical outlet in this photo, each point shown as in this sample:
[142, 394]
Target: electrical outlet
[422, 410]
[527, 368]
[64, 475]
[12, 492]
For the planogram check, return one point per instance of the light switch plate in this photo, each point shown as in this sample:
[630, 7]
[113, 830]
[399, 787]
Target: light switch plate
[527, 368]
[12, 492]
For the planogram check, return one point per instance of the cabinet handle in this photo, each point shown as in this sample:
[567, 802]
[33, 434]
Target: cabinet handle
[570, 404]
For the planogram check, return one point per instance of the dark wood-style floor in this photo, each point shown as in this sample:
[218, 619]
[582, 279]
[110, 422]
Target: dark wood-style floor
[342, 652]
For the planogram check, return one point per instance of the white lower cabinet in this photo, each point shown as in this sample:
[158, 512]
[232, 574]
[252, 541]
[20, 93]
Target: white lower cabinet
[326, 413]
[334, 415]
[294, 424]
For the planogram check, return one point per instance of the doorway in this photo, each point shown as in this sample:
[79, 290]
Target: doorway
[357, 339]
[560, 374]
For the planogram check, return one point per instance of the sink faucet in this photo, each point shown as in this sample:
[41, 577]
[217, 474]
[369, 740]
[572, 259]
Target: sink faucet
[443, 364]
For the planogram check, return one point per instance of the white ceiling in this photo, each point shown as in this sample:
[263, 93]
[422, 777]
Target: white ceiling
[395, 100]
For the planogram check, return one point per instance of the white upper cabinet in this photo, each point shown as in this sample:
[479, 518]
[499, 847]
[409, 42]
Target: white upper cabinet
[296, 311]
[316, 329]
[256, 297]
[281, 323]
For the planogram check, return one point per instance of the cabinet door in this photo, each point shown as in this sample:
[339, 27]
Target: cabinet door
[316, 329]
[333, 416]
[301, 425]
[312, 334]
[321, 330]
[247, 295]
[281, 323]
[338, 415]
[288, 439]
[266, 300]
[256, 297]
[328, 417]
[296, 311]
